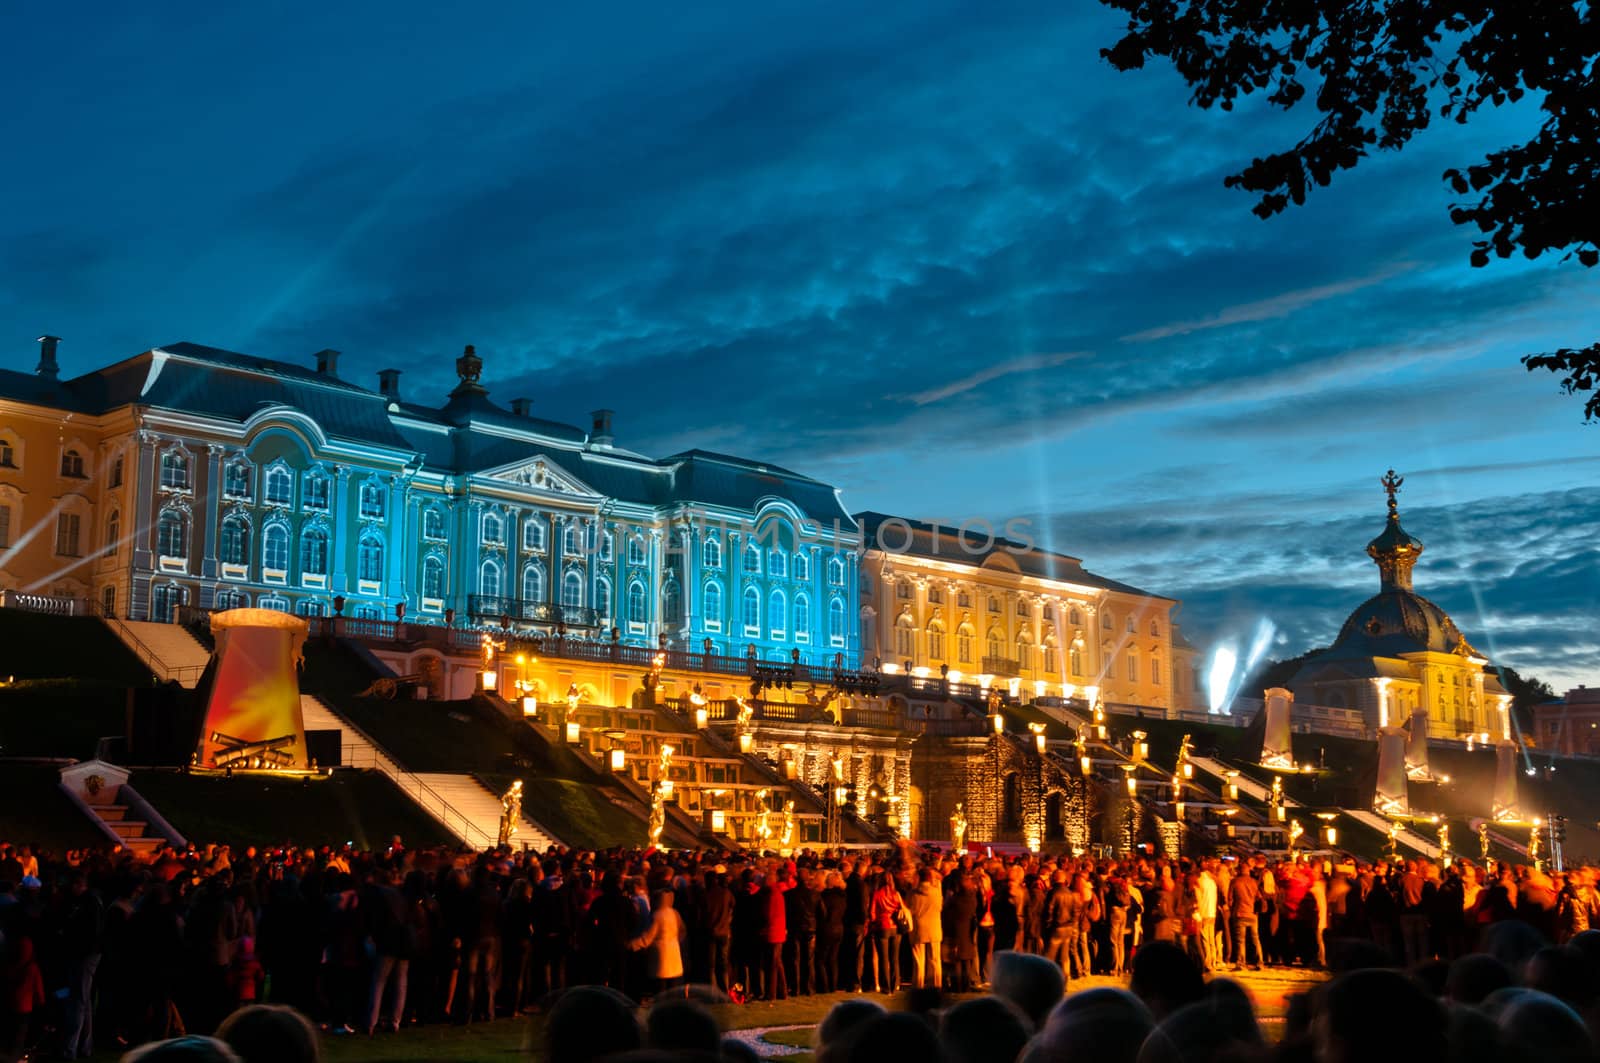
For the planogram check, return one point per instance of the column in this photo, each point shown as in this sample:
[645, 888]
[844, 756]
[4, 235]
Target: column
[690, 539]
[655, 580]
[340, 540]
[211, 508]
[398, 527]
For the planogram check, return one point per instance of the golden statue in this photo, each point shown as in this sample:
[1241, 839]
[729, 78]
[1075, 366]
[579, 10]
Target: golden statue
[510, 813]
[786, 838]
[658, 816]
[763, 830]
[958, 828]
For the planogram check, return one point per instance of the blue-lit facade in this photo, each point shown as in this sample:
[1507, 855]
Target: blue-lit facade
[224, 480]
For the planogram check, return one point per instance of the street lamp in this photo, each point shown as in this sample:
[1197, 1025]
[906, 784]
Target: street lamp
[1038, 736]
[1141, 746]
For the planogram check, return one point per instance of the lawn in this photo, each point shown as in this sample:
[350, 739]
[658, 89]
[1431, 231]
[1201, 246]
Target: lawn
[34, 809]
[576, 813]
[39, 646]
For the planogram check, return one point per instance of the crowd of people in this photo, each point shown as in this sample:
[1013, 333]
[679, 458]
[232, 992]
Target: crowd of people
[107, 949]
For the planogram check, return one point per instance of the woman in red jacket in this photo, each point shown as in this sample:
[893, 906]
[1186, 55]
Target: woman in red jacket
[883, 917]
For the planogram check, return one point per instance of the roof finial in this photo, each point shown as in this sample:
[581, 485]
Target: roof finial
[1391, 484]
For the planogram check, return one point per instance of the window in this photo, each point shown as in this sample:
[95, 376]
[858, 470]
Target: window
[905, 637]
[72, 464]
[636, 609]
[234, 542]
[963, 600]
[489, 579]
[1155, 630]
[777, 614]
[108, 601]
[315, 494]
[371, 501]
[275, 548]
[174, 471]
[280, 486]
[1022, 609]
[275, 603]
[936, 641]
[570, 545]
[113, 533]
[836, 622]
[964, 644]
[1131, 629]
[172, 534]
[432, 577]
[602, 597]
[994, 604]
[1073, 616]
[1155, 671]
[996, 644]
[572, 591]
[433, 524]
[802, 618]
[635, 550]
[164, 601]
[1105, 620]
[902, 590]
[1024, 656]
[607, 548]
[369, 559]
[835, 572]
[752, 560]
[532, 584]
[314, 552]
[533, 532]
[8, 455]
[1075, 661]
[751, 613]
[1051, 660]
[235, 480]
[711, 553]
[711, 606]
[935, 596]
[1050, 613]
[116, 481]
[494, 530]
[1133, 668]
[67, 534]
[777, 564]
[671, 603]
[311, 607]
[802, 566]
[5, 525]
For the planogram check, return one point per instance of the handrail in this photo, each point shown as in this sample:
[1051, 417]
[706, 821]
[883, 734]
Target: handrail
[409, 782]
[149, 657]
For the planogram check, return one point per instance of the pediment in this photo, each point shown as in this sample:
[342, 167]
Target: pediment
[541, 474]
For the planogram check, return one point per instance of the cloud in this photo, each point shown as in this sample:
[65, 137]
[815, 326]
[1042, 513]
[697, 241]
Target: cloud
[1028, 363]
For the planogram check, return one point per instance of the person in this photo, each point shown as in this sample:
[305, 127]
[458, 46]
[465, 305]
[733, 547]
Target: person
[1244, 904]
[800, 920]
[830, 932]
[1062, 915]
[927, 931]
[664, 941]
[716, 908]
[961, 913]
[884, 916]
[776, 932]
[270, 1033]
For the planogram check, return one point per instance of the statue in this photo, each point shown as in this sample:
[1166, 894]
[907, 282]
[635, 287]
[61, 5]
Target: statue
[1444, 842]
[1483, 842]
[958, 828]
[763, 829]
[658, 816]
[786, 838]
[510, 813]
[746, 712]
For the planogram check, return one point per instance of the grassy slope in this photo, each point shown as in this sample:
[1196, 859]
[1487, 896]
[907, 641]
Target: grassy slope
[578, 814]
[33, 809]
[36, 646]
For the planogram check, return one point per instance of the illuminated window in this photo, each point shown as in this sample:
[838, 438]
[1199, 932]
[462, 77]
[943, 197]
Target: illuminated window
[1155, 629]
[963, 600]
[778, 564]
[314, 495]
[174, 471]
[280, 486]
[432, 577]
[751, 613]
[572, 591]
[113, 533]
[67, 525]
[72, 464]
[371, 501]
[433, 524]
[314, 552]
[671, 603]
[489, 579]
[636, 609]
[570, 545]
[902, 590]
[234, 545]
[236, 480]
[602, 596]
[711, 606]
[935, 596]
[777, 614]
[835, 572]
[1133, 668]
[635, 549]
[905, 637]
[711, 553]
[494, 532]
[1155, 670]
[369, 558]
[802, 566]
[802, 618]
[1131, 628]
[836, 622]
[1075, 661]
[275, 548]
[172, 534]
[964, 644]
[752, 560]
[1022, 609]
[533, 533]
[936, 641]
[532, 584]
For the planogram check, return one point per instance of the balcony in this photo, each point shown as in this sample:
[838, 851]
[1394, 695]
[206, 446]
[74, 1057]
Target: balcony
[1004, 667]
[492, 607]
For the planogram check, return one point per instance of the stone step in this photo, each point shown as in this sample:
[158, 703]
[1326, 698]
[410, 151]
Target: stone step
[128, 828]
[111, 813]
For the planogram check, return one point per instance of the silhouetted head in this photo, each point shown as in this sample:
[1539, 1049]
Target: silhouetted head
[893, 1035]
[1094, 1026]
[842, 1018]
[1165, 978]
[589, 1023]
[270, 1033]
[190, 1049]
[1351, 1024]
[1032, 983]
[1537, 1028]
[985, 1030]
[1474, 976]
[682, 1026]
[1561, 971]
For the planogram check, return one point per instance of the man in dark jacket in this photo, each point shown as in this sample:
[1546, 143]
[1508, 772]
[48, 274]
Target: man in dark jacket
[800, 914]
[717, 905]
[1063, 912]
[857, 901]
[1244, 900]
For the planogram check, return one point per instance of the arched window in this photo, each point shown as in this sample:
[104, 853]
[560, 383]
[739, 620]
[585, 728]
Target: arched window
[371, 501]
[494, 530]
[1155, 630]
[1024, 654]
[835, 572]
[1073, 616]
[635, 550]
[608, 547]
[802, 616]
[572, 590]
[836, 622]
[113, 533]
[777, 564]
[571, 544]
[1022, 608]
[311, 607]
[777, 614]
[711, 552]
[116, 476]
[236, 480]
[8, 454]
[996, 645]
[489, 578]
[175, 471]
[72, 464]
[433, 524]
[67, 527]
[1133, 667]
[279, 486]
[1155, 671]
[275, 549]
[602, 596]
[234, 545]
[994, 604]
[636, 607]
[802, 566]
[228, 598]
[533, 532]
[314, 552]
[369, 558]
[905, 637]
[165, 598]
[671, 603]
[936, 641]
[172, 534]
[964, 636]
[1131, 628]
[432, 577]
[752, 559]
[1052, 659]
[314, 492]
[532, 583]
[750, 613]
[711, 605]
[1105, 619]
[276, 603]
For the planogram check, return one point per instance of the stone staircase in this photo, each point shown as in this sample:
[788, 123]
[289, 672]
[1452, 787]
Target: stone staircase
[459, 802]
[168, 650]
[122, 815]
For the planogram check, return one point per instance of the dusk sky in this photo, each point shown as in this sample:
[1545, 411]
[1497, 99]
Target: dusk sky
[940, 255]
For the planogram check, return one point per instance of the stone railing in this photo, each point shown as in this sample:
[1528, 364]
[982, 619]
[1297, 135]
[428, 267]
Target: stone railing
[52, 604]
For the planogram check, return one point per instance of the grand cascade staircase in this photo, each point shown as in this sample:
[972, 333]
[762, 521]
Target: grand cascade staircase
[101, 790]
[168, 650]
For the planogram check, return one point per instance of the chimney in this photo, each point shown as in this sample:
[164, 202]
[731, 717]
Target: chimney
[521, 407]
[389, 384]
[47, 358]
[328, 363]
[600, 434]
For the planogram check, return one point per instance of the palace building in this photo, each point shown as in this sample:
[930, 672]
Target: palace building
[940, 600]
[189, 475]
[1399, 655]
